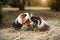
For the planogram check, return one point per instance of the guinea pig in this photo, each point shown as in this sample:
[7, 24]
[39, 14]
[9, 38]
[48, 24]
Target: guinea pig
[18, 23]
[41, 24]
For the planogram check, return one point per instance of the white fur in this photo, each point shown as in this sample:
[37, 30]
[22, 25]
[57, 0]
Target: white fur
[18, 19]
[42, 23]
[27, 17]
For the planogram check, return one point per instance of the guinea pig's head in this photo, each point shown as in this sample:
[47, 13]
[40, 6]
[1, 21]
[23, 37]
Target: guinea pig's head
[34, 19]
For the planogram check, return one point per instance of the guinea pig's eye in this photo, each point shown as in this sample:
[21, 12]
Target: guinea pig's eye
[25, 15]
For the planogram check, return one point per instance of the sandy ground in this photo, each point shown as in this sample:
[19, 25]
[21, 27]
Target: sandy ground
[52, 34]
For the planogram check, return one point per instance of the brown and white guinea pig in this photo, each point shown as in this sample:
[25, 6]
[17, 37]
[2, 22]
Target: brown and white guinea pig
[18, 23]
[21, 19]
[41, 24]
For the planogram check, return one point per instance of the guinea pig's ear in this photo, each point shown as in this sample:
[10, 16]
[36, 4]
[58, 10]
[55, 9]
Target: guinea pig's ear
[21, 14]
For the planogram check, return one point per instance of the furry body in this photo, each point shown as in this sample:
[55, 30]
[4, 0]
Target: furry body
[41, 24]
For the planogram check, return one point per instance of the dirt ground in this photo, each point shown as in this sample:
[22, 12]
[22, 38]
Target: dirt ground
[51, 17]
